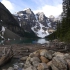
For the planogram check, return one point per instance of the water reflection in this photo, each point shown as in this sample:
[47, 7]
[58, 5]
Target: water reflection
[42, 41]
[33, 41]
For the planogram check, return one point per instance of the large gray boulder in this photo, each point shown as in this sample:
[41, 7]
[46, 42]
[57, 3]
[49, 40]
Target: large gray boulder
[46, 54]
[42, 66]
[54, 67]
[59, 63]
[35, 59]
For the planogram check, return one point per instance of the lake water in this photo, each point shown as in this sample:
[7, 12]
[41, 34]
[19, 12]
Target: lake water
[22, 41]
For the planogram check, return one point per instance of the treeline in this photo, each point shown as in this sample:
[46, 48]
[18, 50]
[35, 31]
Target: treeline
[63, 27]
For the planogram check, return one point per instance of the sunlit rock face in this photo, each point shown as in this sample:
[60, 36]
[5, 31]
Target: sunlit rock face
[26, 19]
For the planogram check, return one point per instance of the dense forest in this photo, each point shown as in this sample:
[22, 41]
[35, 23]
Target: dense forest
[63, 28]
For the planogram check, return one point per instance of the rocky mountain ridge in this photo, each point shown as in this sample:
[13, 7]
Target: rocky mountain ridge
[26, 24]
[7, 22]
[38, 23]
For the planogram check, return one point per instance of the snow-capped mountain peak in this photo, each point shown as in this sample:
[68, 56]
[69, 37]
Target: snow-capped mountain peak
[38, 23]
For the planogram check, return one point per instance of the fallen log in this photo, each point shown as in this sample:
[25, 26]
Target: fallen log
[7, 55]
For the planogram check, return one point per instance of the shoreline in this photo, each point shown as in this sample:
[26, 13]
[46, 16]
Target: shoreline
[19, 49]
[23, 50]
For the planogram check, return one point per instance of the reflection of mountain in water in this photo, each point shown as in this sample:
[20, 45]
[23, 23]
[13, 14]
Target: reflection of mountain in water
[42, 41]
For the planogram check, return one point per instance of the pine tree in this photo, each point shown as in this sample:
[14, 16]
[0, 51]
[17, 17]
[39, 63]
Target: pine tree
[63, 28]
[65, 25]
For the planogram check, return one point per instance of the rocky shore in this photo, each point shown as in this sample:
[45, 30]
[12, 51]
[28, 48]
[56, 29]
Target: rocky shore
[43, 60]
[51, 56]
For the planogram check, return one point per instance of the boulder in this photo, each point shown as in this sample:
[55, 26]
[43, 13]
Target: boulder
[49, 63]
[28, 59]
[51, 51]
[21, 65]
[43, 52]
[67, 56]
[16, 67]
[24, 58]
[60, 63]
[54, 67]
[42, 66]
[46, 54]
[35, 54]
[35, 59]
[58, 54]
[27, 64]
[44, 60]
[31, 55]
[35, 63]
[68, 63]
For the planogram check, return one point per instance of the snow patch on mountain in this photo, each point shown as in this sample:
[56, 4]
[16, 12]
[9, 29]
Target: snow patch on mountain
[41, 25]
[2, 32]
[3, 29]
[40, 31]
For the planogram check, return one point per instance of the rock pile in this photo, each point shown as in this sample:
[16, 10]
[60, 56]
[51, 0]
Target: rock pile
[46, 60]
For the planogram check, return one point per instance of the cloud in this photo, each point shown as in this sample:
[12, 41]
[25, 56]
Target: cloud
[49, 7]
[14, 6]
[50, 10]
[47, 2]
[8, 5]
[40, 2]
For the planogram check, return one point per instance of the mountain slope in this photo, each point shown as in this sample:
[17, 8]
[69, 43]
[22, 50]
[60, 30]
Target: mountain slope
[8, 21]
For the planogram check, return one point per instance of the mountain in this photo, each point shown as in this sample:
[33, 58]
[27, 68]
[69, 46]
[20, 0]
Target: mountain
[25, 23]
[41, 25]
[8, 22]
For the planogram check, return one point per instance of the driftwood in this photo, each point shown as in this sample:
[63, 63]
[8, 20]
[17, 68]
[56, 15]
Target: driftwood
[7, 55]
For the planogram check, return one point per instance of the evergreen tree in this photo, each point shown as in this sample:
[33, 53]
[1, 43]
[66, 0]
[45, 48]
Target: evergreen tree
[63, 28]
[65, 24]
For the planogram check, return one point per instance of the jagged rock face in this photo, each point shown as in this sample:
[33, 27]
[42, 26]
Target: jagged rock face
[7, 20]
[38, 23]
[42, 18]
[26, 19]
[53, 20]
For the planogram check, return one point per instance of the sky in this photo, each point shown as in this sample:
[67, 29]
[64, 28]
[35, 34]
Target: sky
[48, 7]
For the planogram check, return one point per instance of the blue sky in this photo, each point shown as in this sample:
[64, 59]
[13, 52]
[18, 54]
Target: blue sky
[49, 7]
